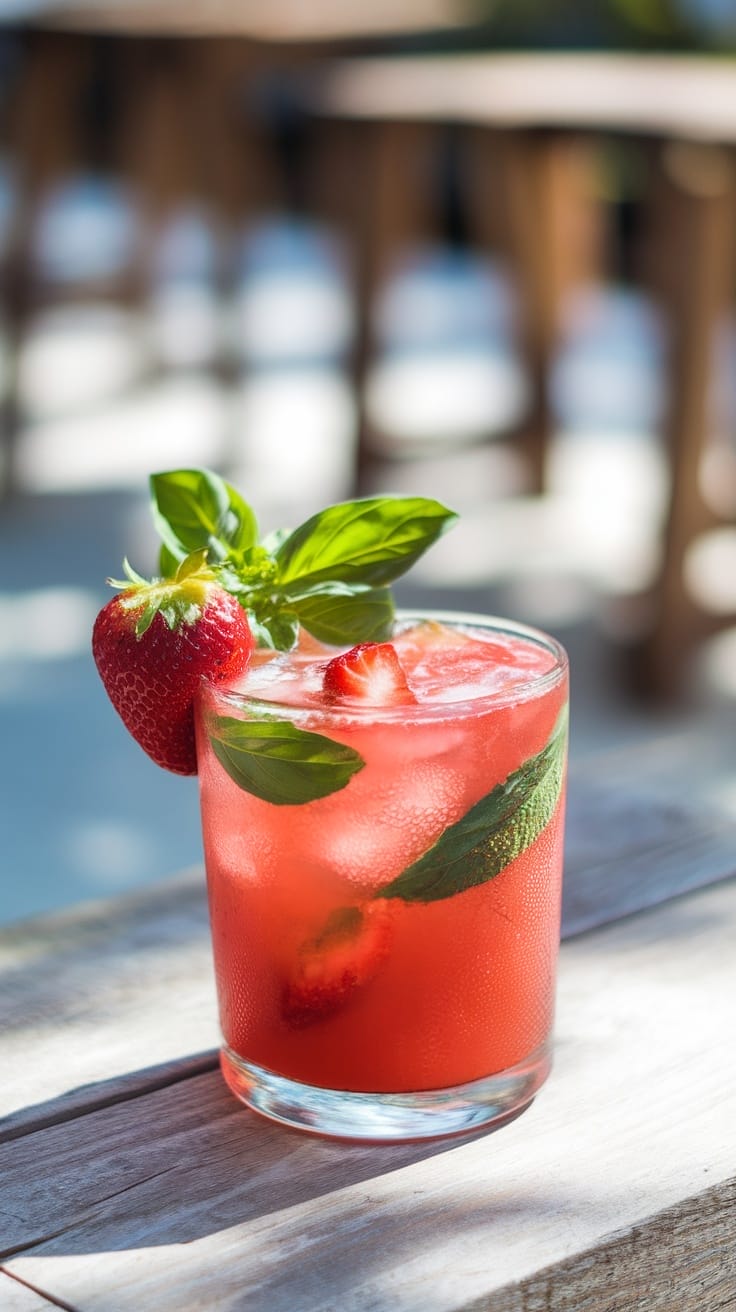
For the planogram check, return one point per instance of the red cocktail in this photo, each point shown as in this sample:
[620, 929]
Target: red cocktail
[385, 951]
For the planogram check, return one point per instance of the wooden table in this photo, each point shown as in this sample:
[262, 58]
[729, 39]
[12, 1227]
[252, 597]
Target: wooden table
[282, 20]
[131, 1179]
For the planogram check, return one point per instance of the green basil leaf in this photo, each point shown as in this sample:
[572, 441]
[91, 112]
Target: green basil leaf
[168, 563]
[189, 506]
[372, 541]
[347, 616]
[240, 530]
[277, 629]
[195, 508]
[279, 763]
[501, 826]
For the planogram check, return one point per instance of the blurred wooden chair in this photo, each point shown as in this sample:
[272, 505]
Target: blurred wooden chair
[40, 95]
[535, 122]
[527, 193]
[691, 257]
[62, 140]
[181, 127]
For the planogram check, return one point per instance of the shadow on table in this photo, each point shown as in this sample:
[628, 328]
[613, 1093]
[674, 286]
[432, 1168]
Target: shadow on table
[178, 1164]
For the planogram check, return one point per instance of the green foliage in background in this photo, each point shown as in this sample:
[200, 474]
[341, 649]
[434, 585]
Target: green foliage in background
[680, 26]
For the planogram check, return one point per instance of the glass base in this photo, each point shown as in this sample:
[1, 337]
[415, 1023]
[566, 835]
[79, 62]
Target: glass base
[388, 1117]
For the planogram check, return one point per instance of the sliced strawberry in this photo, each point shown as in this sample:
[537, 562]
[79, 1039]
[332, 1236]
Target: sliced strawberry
[342, 958]
[155, 642]
[370, 673]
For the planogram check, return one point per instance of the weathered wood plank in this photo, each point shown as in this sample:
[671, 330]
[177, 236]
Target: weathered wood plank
[117, 997]
[17, 1297]
[181, 1200]
[103, 1001]
[649, 821]
[625, 854]
[683, 1259]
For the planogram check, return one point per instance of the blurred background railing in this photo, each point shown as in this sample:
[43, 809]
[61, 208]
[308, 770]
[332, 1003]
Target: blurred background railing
[328, 252]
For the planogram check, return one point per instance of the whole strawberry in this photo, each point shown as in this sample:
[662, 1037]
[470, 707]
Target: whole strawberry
[155, 642]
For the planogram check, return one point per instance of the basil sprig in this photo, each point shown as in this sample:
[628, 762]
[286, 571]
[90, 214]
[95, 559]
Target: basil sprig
[195, 509]
[501, 826]
[331, 574]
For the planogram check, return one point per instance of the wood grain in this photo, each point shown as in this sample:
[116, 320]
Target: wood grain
[649, 822]
[98, 1002]
[625, 854]
[181, 1200]
[671, 1258]
[17, 1297]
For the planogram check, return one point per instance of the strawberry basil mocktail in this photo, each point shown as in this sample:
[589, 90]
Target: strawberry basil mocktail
[400, 934]
[382, 808]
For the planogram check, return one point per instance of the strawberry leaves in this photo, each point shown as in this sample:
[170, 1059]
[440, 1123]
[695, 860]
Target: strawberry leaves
[329, 575]
[179, 599]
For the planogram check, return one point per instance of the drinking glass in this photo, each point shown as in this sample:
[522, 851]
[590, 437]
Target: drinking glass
[385, 955]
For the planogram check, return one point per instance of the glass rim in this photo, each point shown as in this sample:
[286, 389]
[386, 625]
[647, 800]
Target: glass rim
[352, 712]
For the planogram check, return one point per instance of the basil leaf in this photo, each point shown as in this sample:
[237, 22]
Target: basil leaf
[279, 763]
[188, 505]
[276, 629]
[501, 826]
[347, 616]
[371, 541]
[195, 508]
[168, 563]
[240, 530]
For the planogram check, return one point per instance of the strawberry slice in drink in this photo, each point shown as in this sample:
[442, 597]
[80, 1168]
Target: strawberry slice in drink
[341, 959]
[370, 673]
